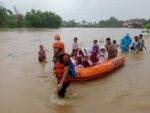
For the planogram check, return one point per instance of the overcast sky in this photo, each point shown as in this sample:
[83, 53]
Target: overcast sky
[90, 10]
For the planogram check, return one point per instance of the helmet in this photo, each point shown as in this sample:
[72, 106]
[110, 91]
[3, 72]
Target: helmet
[56, 36]
[59, 45]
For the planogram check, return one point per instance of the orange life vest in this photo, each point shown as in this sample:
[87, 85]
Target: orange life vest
[59, 69]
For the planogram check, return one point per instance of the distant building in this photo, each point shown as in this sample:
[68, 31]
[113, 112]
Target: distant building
[125, 24]
[134, 23]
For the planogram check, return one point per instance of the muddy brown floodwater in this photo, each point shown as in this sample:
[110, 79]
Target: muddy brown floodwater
[27, 86]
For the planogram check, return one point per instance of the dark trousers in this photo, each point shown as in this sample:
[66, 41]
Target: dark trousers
[62, 92]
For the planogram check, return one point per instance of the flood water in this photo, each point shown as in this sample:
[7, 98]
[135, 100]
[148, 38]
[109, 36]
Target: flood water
[27, 86]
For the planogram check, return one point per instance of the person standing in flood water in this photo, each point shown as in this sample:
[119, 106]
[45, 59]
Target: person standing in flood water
[111, 49]
[137, 45]
[125, 43]
[42, 54]
[142, 42]
[61, 68]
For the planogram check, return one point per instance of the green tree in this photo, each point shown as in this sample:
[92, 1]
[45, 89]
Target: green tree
[111, 22]
[43, 19]
[70, 23]
[3, 16]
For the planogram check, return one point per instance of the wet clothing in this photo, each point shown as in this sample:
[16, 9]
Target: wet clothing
[137, 45]
[142, 44]
[62, 92]
[60, 62]
[111, 49]
[42, 56]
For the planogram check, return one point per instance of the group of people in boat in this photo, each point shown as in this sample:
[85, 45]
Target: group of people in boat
[89, 56]
[63, 65]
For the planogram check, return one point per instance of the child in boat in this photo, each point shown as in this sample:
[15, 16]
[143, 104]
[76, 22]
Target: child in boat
[77, 53]
[42, 54]
[103, 55]
[95, 45]
[93, 56]
[86, 60]
[78, 62]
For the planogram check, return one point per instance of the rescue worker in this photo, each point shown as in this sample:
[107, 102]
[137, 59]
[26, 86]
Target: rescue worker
[61, 68]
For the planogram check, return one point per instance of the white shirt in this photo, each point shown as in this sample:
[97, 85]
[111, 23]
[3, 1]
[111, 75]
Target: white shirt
[89, 51]
[75, 45]
[137, 44]
[102, 57]
[142, 41]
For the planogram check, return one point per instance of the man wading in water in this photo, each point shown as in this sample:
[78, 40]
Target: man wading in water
[61, 68]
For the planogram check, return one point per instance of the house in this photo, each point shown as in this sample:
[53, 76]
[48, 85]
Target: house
[134, 23]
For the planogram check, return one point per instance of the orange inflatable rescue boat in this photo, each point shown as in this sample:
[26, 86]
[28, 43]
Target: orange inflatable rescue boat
[99, 70]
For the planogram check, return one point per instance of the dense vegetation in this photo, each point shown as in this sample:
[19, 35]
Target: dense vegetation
[112, 22]
[36, 19]
[147, 27]
[147, 24]
[39, 19]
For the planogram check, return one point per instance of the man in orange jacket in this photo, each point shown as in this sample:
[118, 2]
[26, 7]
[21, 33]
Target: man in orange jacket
[61, 68]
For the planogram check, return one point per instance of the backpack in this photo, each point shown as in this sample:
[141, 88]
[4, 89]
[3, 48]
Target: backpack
[72, 71]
